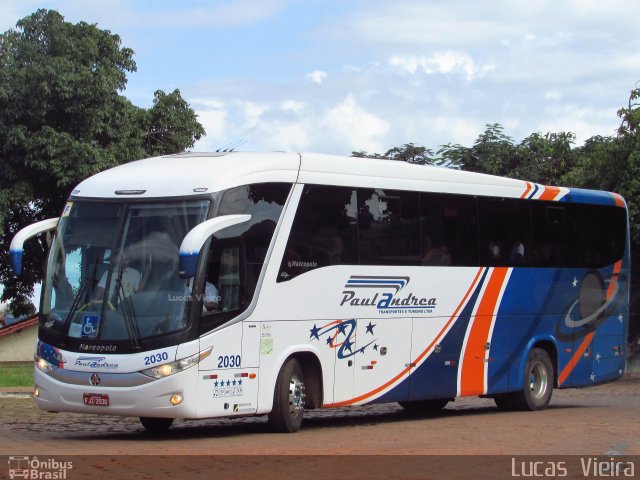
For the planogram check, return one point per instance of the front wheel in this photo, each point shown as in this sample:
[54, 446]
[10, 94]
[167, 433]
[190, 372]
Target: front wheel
[156, 425]
[288, 399]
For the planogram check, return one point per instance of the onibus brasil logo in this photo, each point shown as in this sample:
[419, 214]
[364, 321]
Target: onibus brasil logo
[386, 294]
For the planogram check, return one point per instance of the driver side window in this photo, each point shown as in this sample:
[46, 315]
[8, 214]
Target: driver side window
[237, 253]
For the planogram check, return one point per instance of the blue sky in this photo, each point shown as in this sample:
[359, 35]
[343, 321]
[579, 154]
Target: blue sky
[336, 76]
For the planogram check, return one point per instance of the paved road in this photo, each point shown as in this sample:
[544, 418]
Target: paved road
[591, 421]
[377, 442]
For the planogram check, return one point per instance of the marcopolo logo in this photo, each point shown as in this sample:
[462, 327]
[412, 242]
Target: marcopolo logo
[34, 468]
[386, 294]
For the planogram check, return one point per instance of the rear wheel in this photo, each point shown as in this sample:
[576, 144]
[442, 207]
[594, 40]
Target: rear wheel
[539, 379]
[504, 401]
[425, 406]
[156, 425]
[288, 399]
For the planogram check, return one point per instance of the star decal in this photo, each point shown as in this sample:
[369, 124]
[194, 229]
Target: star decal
[215, 384]
[347, 345]
[240, 382]
[233, 383]
[575, 282]
[375, 347]
[598, 357]
[228, 383]
[593, 378]
[315, 332]
[621, 318]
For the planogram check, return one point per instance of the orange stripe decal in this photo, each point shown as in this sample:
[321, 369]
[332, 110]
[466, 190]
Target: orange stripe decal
[568, 368]
[619, 200]
[566, 371]
[613, 284]
[472, 374]
[419, 357]
[526, 192]
[549, 193]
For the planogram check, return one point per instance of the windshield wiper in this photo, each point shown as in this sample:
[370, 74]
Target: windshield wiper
[127, 313]
[82, 289]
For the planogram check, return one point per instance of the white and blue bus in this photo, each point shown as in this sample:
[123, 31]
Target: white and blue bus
[234, 284]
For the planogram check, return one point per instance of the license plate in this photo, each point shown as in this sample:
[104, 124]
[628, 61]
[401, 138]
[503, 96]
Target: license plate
[96, 399]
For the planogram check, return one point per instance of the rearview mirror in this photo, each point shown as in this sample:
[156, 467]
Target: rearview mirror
[17, 244]
[193, 241]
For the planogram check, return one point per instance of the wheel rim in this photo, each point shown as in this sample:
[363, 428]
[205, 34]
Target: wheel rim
[296, 395]
[538, 380]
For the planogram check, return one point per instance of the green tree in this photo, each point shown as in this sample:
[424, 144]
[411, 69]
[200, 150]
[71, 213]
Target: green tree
[493, 152]
[408, 152]
[544, 158]
[63, 118]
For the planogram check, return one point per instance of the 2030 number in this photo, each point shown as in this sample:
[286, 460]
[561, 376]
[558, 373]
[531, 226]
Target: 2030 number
[228, 361]
[157, 358]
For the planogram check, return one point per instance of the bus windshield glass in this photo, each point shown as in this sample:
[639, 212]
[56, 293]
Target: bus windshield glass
[113, 270]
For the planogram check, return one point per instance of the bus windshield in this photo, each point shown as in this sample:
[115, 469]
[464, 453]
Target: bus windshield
[113, 270]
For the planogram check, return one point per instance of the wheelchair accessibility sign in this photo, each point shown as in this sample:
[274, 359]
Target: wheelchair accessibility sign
[90, 324]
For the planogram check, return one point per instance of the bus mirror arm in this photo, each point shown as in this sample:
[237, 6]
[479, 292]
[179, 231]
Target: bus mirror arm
[193, 241]
[17, 243]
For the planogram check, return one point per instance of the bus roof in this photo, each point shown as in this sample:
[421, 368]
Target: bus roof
[193, 173]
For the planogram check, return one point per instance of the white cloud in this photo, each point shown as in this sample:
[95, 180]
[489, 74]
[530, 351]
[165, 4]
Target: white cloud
[213, 116]
[441, 62]
[253, 113]
[292, 106]
[355, 128]
[317, 76]
[340, 127]
[585, 122]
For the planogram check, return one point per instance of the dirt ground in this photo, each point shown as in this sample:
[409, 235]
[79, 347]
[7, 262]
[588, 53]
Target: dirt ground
[597, 421]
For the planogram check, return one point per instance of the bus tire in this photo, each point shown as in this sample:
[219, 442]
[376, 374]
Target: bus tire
[425, 406]
[156, 425]
[504, 401]
[539, 380]
[288, 399]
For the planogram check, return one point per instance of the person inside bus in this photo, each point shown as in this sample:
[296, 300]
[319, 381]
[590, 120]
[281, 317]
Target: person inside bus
[516, 256]
[335, 250]
[132, 279]
[494, 253]
[435, 255]
[210, 299]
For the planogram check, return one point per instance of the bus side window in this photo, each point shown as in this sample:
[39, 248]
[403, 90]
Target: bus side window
[324, 231]
[504, 231]
[555, 234]
[388, 227]
[449, 229]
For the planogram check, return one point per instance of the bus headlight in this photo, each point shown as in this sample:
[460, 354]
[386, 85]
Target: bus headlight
[43, 365]
[167, 369]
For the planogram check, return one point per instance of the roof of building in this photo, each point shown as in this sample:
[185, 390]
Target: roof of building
[18, 326]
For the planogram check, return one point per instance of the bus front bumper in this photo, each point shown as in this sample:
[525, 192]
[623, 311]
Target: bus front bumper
[171, 397]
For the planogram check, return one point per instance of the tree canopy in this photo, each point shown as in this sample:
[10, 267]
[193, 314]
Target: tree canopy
[63, 118]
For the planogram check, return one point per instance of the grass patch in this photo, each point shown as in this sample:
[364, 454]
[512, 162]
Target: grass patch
[16, 374]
